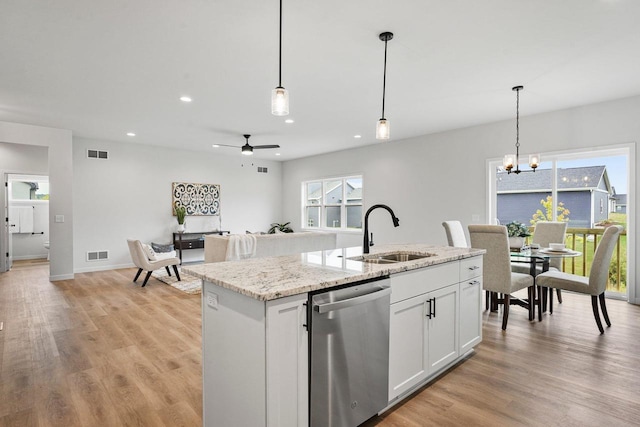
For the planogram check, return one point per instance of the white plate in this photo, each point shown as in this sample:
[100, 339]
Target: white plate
[553, 251]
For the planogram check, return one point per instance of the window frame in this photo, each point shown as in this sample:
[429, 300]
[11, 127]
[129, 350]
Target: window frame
[323, 205]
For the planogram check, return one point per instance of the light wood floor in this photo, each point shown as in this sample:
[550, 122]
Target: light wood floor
[100, 351]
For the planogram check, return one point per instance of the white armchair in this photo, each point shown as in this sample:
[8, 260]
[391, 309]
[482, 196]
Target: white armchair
[141, 260]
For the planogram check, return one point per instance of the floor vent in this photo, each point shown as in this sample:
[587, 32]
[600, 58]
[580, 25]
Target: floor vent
[97, 154]
[262, 169]
[97, 255]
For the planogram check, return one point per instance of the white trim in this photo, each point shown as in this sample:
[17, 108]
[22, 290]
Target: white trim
[103, 268]
[61, 277]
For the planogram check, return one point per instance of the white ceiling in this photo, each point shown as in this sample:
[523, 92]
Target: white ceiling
[104, 68]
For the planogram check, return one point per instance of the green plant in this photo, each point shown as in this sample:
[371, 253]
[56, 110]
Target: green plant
[517, 229]
[284, 228]
[180, 212]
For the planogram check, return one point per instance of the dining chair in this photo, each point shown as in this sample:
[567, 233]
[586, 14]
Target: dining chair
[455, 234]
[546, 232]
[596, 283]
[141, 260]
[497, 276]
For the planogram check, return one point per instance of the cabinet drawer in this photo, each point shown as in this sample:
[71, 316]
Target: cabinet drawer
[470, 267]
[415, 282]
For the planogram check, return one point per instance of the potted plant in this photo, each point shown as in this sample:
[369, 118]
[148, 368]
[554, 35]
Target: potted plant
[282, 228]
[517, 231]
[180, 212]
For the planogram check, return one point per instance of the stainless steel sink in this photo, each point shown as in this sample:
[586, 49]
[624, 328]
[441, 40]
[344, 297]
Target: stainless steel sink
[392, 258]
[378, 261]
[403, 257]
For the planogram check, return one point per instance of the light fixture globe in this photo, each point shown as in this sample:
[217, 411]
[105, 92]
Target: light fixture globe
[279, 101]
[382, 129]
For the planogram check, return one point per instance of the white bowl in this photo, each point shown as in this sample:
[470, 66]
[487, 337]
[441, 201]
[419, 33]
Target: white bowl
[556, 246]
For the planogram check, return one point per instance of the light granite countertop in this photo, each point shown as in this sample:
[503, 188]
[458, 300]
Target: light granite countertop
[276, 277]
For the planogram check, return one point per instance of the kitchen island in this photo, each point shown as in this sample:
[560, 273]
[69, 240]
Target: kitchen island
[255, 320]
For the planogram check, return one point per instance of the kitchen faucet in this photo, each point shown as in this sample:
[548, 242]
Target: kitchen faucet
[396, 222]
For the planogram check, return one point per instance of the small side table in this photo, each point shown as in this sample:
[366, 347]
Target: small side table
[192, 240]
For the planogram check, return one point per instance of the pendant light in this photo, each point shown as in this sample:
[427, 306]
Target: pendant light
[510, 159]
[382, 128]
[279, 95]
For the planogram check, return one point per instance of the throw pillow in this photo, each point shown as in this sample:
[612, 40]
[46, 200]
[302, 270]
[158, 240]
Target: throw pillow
[148, 250]
[161, 248]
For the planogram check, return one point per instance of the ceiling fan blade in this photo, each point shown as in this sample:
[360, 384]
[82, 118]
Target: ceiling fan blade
[225, 145]
[258, 147]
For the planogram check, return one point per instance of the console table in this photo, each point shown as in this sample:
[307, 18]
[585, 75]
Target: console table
[192, 240]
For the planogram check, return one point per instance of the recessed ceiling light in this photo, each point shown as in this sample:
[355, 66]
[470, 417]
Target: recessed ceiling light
[131, 134]
[215, 146]
[289, 121]
[357, 136]
[185, 99]
[277, 154]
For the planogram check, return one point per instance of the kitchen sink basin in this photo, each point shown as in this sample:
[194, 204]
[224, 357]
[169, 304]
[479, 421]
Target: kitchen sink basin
[403, 257]
[392, 258]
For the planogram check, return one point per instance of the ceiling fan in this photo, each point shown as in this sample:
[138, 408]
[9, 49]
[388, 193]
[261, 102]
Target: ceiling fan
[247, 149]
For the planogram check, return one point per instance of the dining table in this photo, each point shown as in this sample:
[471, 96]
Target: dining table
[541, 257]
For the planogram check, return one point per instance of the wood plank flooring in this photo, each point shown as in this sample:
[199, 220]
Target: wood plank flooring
[101, 351]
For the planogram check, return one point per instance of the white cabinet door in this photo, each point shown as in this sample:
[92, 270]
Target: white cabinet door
[407, 345]
[442, 316]
[287, 362]
[470, 314]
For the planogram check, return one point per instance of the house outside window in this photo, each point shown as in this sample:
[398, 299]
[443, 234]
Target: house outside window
[333, 204]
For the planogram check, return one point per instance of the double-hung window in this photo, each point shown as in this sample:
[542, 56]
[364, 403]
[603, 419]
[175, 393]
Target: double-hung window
[334, 203]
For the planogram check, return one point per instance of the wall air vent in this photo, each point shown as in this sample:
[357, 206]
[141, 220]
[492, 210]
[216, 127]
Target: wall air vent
[262, 169]
[97, 154]
[97, 255]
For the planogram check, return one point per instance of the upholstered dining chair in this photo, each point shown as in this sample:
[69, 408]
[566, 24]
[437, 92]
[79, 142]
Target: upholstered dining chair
[141, 260]
[593, 285]
[497, 276]
[546, 232]
[455, 234]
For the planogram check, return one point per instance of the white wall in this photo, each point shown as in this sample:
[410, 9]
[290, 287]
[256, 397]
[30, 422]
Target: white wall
[433, 178]
[57, 142]
[129, 196]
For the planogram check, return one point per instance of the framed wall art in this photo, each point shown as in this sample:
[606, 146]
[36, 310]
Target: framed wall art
[198, 199]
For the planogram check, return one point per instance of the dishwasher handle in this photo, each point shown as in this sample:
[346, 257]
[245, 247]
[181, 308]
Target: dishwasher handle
[339, 305]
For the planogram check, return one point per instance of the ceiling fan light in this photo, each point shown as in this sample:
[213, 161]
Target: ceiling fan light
[247, 150]
[279, 101]
[382, 129]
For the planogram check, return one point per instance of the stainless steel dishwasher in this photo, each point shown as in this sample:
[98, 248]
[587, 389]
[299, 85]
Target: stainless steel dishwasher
[349, 354]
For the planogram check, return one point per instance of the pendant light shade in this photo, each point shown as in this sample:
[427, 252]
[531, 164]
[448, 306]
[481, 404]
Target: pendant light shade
[382, 128]
[511, 162]
[279, 95]
[279, 101]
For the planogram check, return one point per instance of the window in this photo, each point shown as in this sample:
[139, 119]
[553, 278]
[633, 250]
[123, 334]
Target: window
[20, 189]
[334, 203]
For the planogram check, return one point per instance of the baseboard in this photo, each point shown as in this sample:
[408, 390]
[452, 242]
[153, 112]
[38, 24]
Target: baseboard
[102, 268]
[28, 257]
[60, 277]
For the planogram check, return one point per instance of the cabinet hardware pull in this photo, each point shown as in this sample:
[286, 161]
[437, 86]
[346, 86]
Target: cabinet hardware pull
[434, 307]
[475, 267]
[475, 282]
[429, 315]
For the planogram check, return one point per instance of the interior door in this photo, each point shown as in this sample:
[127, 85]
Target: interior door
[7, 241]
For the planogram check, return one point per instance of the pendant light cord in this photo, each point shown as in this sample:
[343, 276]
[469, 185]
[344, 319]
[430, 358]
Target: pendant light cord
[517, 129]
[384, 78]
[280, 50]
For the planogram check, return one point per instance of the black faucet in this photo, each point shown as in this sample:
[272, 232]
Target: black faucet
[396, 222]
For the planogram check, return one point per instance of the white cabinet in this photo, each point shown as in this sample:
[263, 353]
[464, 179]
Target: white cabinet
[423, 330]
[435, 320]
[470, 303]
[259, 351]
